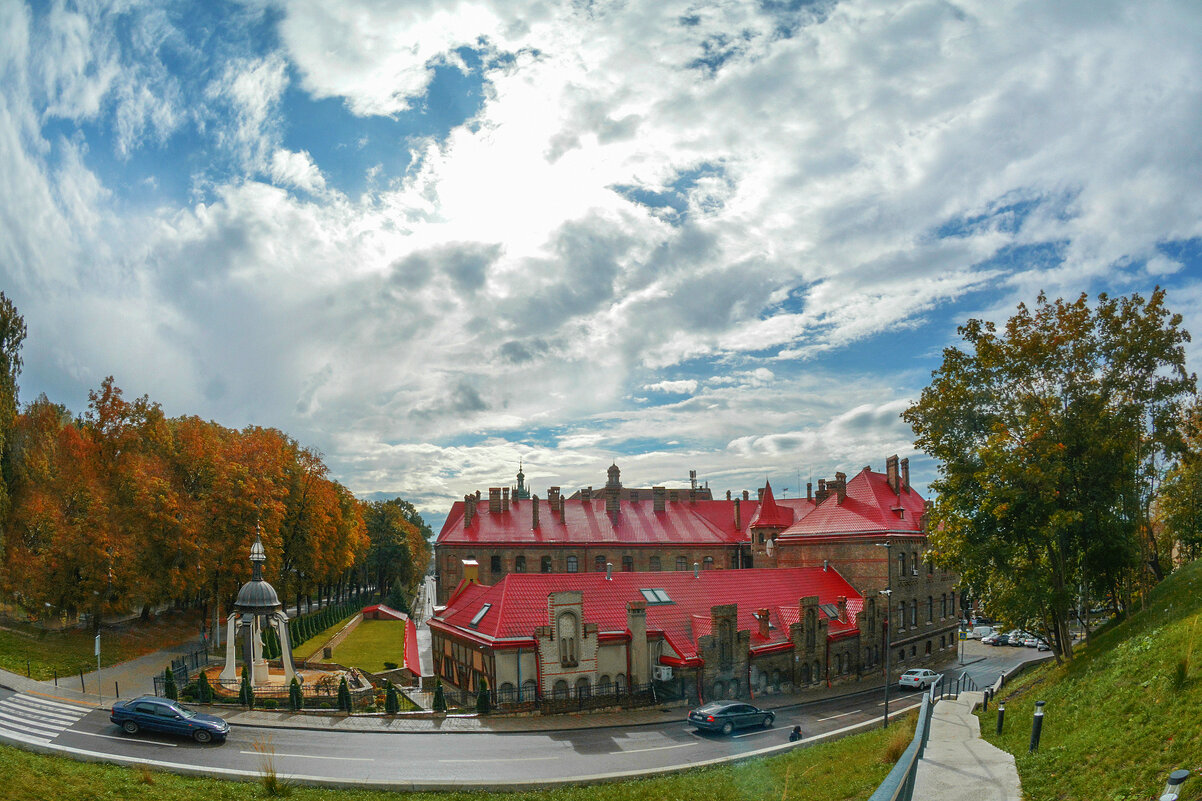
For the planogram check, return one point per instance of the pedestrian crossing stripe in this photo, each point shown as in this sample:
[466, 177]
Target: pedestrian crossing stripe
[35, 720]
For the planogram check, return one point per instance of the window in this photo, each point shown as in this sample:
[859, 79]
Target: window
[573, 564]
[627, 564]
[930, 568]
[928, 648]
[682, 563]
[544, 565]
[830, 610]
[568, 633]
[901, 655]
[914, 612]
[519, 564]
[708, 563]
[656, 596]
[561, 689]
[655, 564]
[494, 564]
[599, 563]
[914, 563]
[930, 609]
[901, 564]
[901, 615]
[811, 628]
[943, 605]
[480, 615]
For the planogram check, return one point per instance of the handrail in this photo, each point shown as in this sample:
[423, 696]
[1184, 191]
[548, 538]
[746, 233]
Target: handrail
[899, 784]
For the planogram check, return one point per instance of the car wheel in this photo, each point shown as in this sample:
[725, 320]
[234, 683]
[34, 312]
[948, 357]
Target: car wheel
[130, 726]
[768, 720]
[728, 727]
[202, 736]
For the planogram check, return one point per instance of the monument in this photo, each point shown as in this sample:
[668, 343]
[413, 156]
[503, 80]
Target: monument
[256, 608]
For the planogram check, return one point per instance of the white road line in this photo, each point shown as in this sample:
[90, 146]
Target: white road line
[311, 756]
[45, 728]
[34, 712]
[512, 759]
[754, 733]
[124, 739]
[656, 748]
[39, 701]
[840, 715]
[22, 738]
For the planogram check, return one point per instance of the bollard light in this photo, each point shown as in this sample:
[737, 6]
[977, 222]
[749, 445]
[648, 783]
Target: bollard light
[1172, 788]
[1001, 715]
[1036, 727]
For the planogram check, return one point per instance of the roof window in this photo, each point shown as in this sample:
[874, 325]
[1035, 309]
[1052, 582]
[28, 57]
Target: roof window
[656, 596]
[830, 610]
[480, 615]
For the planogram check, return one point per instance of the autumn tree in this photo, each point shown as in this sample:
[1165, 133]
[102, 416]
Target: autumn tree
[1179, 505]
[12, 334]
[1047, 433]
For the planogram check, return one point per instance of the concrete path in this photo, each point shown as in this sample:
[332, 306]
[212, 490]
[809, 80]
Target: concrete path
[958, 764]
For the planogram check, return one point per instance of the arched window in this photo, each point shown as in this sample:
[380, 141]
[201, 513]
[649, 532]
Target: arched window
[928, 652]
[582, 688]
[573, 564]
[505, 691]
[811, 628]
[955, 609]
[930, 567]
[708, 563]
[627, 564]
[914, 563]
[901, 615]
[901, 655]
[568, 634]
[655, 563]
[529, 690]
[901, 563]
[943, 605]
[605, 684]
[620, 683]
[719, 689]
[494, 564]
[930, 609]
[561, 689]
[544, 565]
[519, 564]
[599, 563]
[682, 563]
[805, 673]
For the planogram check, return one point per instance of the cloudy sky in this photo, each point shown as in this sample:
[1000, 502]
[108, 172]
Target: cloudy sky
[432, 238]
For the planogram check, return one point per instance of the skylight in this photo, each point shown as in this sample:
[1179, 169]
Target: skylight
[480, 615]
[830, 610]
[656, 596]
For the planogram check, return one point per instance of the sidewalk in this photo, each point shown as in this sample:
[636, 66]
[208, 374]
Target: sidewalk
[958, 764]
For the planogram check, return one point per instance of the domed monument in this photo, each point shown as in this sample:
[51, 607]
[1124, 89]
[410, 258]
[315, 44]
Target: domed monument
[257, 607]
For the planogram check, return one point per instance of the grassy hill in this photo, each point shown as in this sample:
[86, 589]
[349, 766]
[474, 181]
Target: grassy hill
[1124, 714]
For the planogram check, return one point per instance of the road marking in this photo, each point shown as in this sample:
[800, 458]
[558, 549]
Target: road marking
[656, 748]
[124, 739]
[754, 733]
[43, 707]
[310, 756]
[28, 728]
[512, 759]
[840, 715]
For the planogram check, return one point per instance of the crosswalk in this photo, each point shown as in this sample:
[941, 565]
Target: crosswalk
[29, 719]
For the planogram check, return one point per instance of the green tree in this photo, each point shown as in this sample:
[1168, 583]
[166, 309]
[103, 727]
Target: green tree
[246, 693]
[1179, 505]
[1047, 433]
[344, 695]
[204, 690]
[295, 699]
[392, 703]
[483, 700]
[12, 334]
[440, 697]
[169, 689]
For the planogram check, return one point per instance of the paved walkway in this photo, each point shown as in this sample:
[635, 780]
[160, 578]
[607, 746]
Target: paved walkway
[958, 764]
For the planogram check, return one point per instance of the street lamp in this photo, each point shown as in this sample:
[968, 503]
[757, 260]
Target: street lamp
[888, 593]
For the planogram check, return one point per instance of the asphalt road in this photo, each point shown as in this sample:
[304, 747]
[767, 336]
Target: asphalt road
[417, 760]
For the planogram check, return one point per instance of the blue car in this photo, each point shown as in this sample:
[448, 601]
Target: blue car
[162, 714]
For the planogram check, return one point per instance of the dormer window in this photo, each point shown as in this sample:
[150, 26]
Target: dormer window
[480, 615]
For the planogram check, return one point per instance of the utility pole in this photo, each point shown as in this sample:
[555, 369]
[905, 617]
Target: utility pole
[888, 593]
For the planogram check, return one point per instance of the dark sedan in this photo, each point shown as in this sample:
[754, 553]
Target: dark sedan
[162, 714]
[726, 716]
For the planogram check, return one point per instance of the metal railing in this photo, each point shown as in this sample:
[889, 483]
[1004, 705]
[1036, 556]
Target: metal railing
[183, 669]
[567, 699]
[899, 784]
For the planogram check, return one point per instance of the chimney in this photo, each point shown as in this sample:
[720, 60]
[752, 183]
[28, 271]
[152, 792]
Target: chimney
[746, 495]
[905, 474]
[634, 496]
[561, 505]
[891, 475]
[696, 570]
[611, 502]
[738, 515]
[760, 495]
[534, 512]
[505, 499]
[809, 490]
[586, 494]
[494, 500]
[471, 571]
[609, 571]
[822, 491]
[553, 498]
[673, 495]
[728, 495]
[640, 657]
[693, 496]
[842, 602]
[762, 616]
[657, 499]
[469, 509]
[840, 488]
[825, 565]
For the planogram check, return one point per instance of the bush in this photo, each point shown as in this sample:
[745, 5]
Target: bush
[440, 698]
[390, 665]
[392, 704]
[271, 703]
[295, 699]
[246, 693]
[344, 695]
[204, 690]
[483, 701]
[169, 685]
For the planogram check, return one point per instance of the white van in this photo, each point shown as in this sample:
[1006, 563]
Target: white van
[979, 632]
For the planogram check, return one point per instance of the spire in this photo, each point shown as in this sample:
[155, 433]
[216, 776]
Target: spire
[521, 491]
[770, 514]
[257, 556]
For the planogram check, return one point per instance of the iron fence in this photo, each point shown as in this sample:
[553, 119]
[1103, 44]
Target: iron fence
[567, 699]
[183, 669]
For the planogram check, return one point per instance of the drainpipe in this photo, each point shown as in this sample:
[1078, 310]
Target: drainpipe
[629, 683]
[750, 689]
[828, 662]
[538, 674]
[519, 673]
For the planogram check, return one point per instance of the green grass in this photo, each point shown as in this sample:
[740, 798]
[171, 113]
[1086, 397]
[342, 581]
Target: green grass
[313, 645]
[1124, 713]
[843, 770]
[371, 644]
[71, 650]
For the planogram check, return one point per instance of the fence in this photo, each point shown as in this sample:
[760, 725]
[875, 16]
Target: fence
[183, 669]
[899, 784]
[574, 699]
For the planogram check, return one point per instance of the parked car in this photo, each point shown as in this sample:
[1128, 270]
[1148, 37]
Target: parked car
[726, 716]
[1016, 638]
[1031, 641]
[162, 714]
[918, 678]
[1000, 639]
[980, 632]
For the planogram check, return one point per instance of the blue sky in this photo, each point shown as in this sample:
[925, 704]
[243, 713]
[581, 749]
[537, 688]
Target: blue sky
[433, 238]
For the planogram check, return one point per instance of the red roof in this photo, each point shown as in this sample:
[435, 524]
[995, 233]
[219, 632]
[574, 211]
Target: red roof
[412, 654]
[871, 506]
[518, 604]
[769, 515]
[384, 611]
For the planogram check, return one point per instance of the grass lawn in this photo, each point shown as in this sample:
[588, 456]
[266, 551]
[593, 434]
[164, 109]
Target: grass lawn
[313, 645]
[373, 643]
[843, 770]
[69, 651]
[1124, 714]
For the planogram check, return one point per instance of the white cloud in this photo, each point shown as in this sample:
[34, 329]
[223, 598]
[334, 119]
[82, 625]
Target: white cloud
[289, 168]
[686, 387]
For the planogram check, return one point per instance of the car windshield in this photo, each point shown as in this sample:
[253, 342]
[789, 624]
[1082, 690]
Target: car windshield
[187, 713]
[713, 706]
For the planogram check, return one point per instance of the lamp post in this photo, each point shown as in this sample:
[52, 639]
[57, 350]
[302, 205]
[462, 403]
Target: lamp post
[888, 593]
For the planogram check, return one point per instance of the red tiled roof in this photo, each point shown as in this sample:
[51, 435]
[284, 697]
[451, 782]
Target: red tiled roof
[871, 506]
[384, 611]
[769, 515]
[519, 603]
[412, 653]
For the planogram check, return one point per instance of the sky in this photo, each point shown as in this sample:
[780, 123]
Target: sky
[434, 239]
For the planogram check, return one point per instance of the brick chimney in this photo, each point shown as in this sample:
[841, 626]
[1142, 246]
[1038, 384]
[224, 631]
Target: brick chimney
[762, 616]
[673, 495]
[611, 502]
[561, 504]
[842, 603]
[809, 490]
[586, 494]
[471, 571]
[840, 488]
[738, 515]
[634, 496]
[905, 474]
[759, 495]
[891, 474]
[505, 499]
[746, 495]
[728, 495]
[657, 499]
[553, 498]
[822, 493]
[469, 510]
[494, 500]
[534, 511]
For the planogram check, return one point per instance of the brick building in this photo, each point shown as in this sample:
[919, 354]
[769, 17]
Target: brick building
[775, 630]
